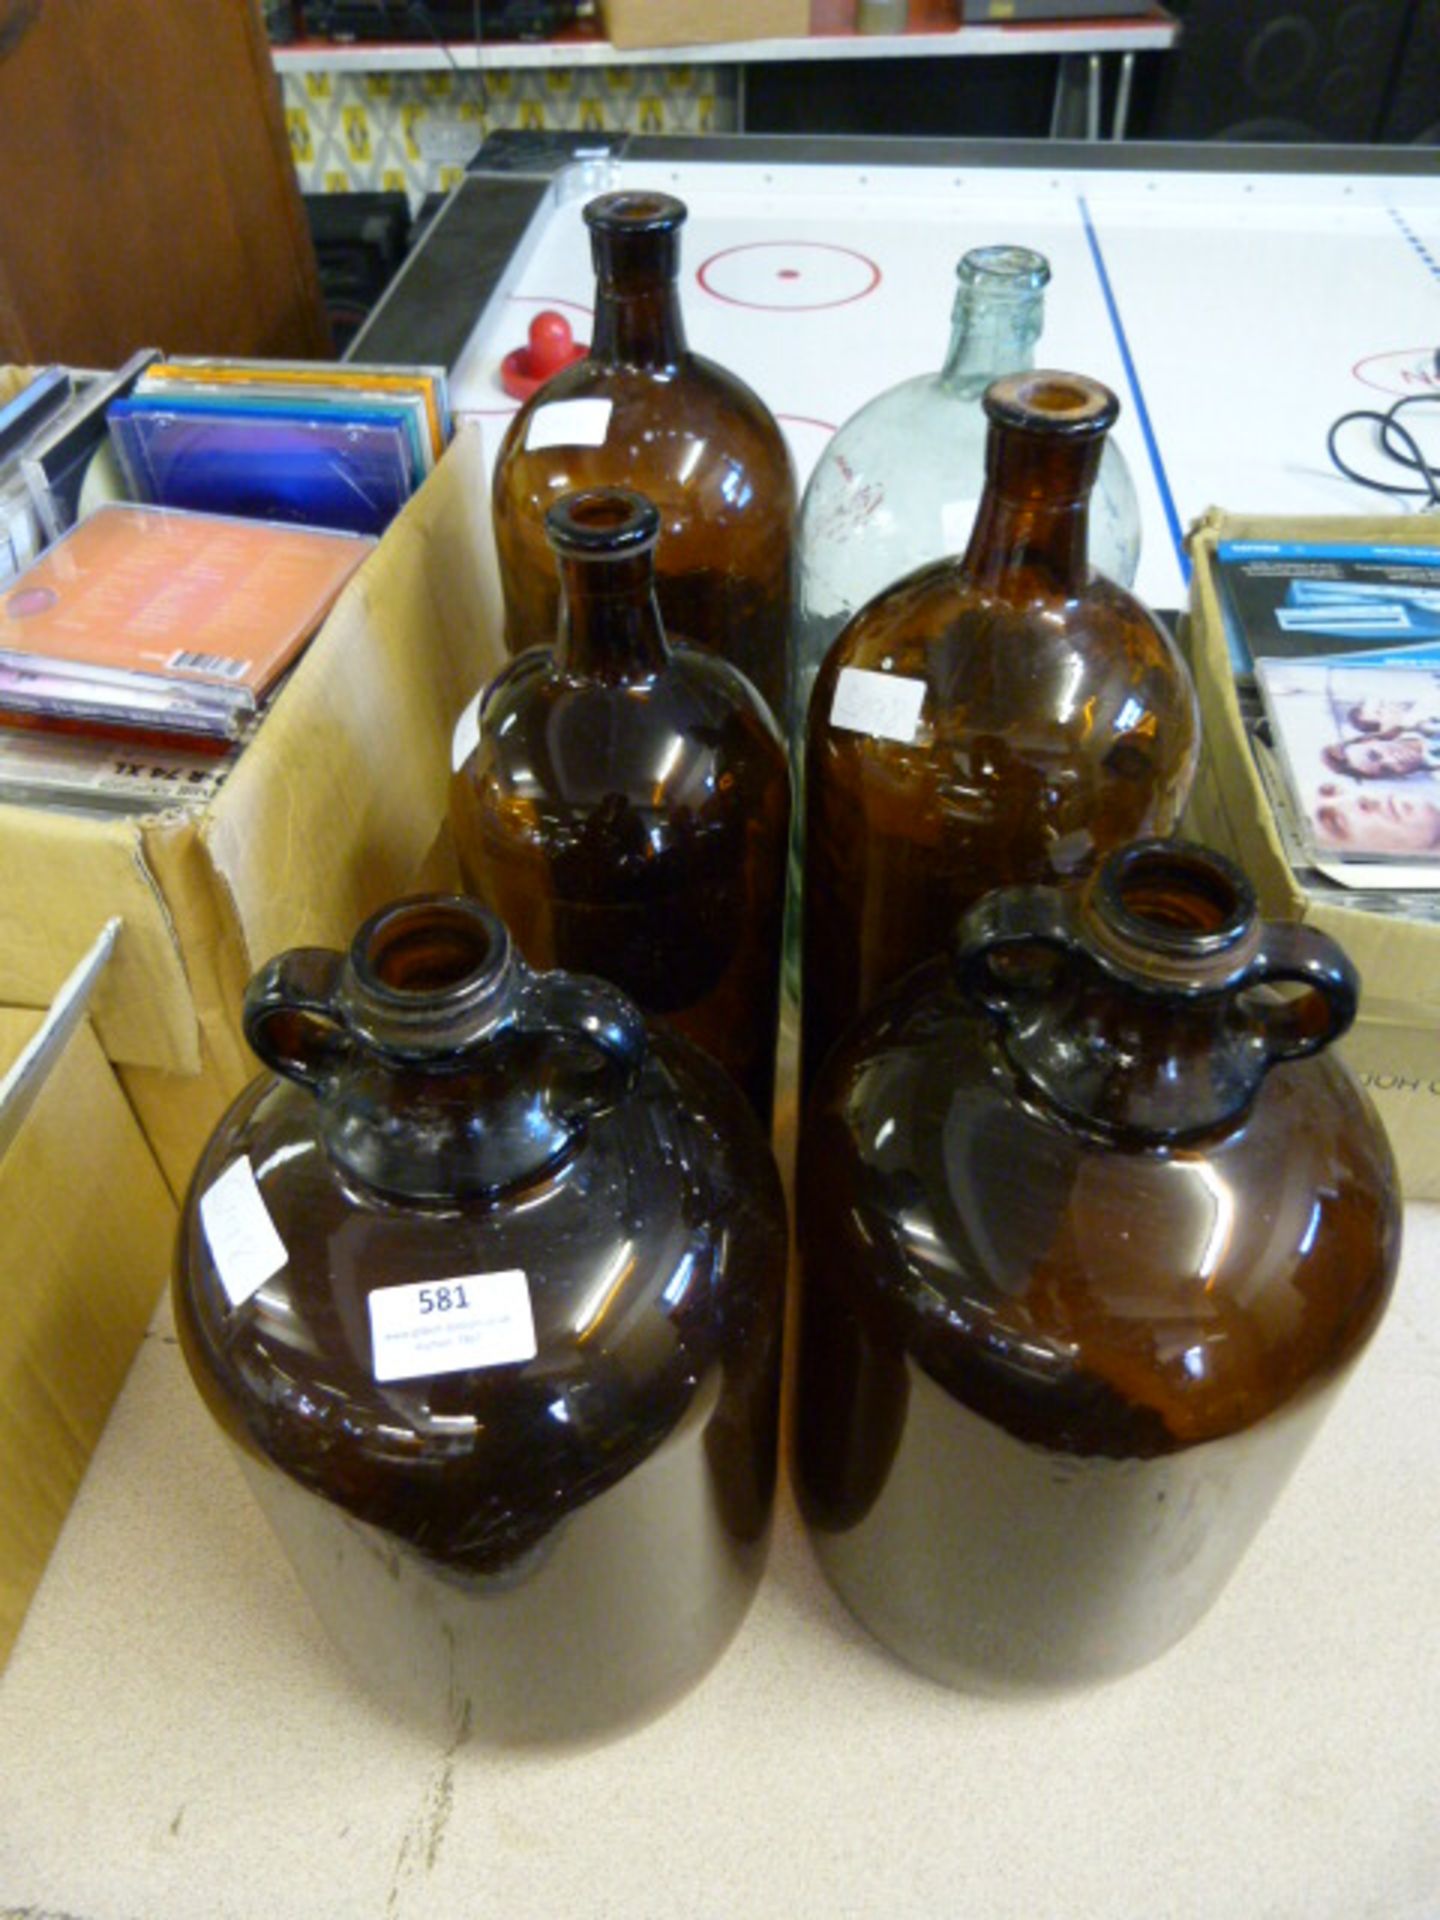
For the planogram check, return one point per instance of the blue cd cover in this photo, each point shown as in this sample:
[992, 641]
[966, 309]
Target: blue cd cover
[1299, 600]
[352, 474]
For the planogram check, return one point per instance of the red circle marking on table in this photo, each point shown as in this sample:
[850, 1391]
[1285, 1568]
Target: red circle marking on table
[552, 300]
[765, 306]
[1412, 370]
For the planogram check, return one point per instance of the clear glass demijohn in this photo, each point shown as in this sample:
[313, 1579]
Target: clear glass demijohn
[898, 485]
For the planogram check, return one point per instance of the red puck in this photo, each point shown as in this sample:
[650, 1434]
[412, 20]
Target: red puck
[551, 345]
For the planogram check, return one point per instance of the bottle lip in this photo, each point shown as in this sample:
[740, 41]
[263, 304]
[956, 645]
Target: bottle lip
[603, 523]
[1069, 406]
[633, 212]
[1002, 269]
[428, 972]
[1174, 899]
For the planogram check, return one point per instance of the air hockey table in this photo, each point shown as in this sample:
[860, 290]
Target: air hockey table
[177, 1740]
[1238, 301]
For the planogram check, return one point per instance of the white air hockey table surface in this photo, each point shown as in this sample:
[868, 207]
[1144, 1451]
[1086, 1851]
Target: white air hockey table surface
[177, 1742]
[1236, 311]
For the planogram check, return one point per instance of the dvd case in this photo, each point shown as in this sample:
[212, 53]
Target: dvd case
[174, 621]
[26, 412]
[349, 474]
[272, 399]
[39, 768]
[318, 376]
[1359, 742]
[56, 463]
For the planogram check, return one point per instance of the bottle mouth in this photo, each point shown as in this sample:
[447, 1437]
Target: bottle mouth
[602, 523]
[1059, 405]
[994, 272]
[635, 213]
[431, 970]
[1173, 898]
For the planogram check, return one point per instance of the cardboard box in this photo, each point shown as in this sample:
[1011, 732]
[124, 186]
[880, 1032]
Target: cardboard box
[693, 23]
[1395, 1044]
[336, 806]
[86, 1229]
[330, 812]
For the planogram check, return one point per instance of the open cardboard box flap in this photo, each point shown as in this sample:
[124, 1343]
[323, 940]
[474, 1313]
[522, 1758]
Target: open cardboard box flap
[60, 875]
[86, 1226]
[330, 812]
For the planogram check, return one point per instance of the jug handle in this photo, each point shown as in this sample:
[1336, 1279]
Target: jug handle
[1026, 923]
[575, 1007]
[290, 1016]
[1295, 955]
[1021, 923]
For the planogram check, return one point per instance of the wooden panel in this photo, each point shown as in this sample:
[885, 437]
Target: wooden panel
[147, 196]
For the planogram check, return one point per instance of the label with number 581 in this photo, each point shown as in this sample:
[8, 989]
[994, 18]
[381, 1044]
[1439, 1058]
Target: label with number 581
[447, 1326]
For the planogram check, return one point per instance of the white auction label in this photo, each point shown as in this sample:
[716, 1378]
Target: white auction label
[445, 1326]
[569, 423]
[466, 736]
[884, 705]
[244, 1245]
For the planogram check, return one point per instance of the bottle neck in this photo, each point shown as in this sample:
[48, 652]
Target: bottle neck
[1131, 1007]
[441, 1065]
[988, 336]
[610, 627]
[638, 322]
[1140, 1065]
[1031, 532]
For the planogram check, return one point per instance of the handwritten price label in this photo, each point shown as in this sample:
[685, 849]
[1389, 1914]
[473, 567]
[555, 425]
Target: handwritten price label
[884, 705]
[241, 1236]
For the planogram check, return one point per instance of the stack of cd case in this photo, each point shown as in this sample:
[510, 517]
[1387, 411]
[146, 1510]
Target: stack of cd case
[307, 444]
[79, 773]
[171, 626]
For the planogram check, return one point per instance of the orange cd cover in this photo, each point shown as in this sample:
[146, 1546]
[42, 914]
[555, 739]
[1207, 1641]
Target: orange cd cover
[136, 595]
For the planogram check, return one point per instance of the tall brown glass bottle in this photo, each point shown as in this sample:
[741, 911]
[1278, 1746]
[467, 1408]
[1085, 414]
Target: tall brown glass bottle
[627, 805]
[1001, 718]
[644, 411]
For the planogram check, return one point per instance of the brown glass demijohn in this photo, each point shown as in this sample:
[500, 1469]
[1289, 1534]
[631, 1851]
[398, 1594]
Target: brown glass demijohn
[643, 411]
[1091, 1229]
[626, 806]
[1004, 717]
[484, 1282]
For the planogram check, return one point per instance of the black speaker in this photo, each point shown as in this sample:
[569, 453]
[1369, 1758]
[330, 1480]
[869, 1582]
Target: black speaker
[941, 98]
[1412, 114]
[360, 241]
[1301, 70]
[410, 21]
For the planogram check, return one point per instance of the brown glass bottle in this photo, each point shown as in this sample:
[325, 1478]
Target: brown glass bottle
[508, 1393]
[643, 411]
[1090, 1233]
[626, 807]
[1001, 718]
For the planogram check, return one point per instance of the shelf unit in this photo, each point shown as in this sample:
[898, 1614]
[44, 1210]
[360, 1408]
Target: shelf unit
[933, 34]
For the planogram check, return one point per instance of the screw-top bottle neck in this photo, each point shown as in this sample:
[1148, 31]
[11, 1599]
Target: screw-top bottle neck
[635, 245]
[1153, 1004]
[428, 977]
[610, 627]
[1031, 533]
[997, 318]
[442, 1066]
